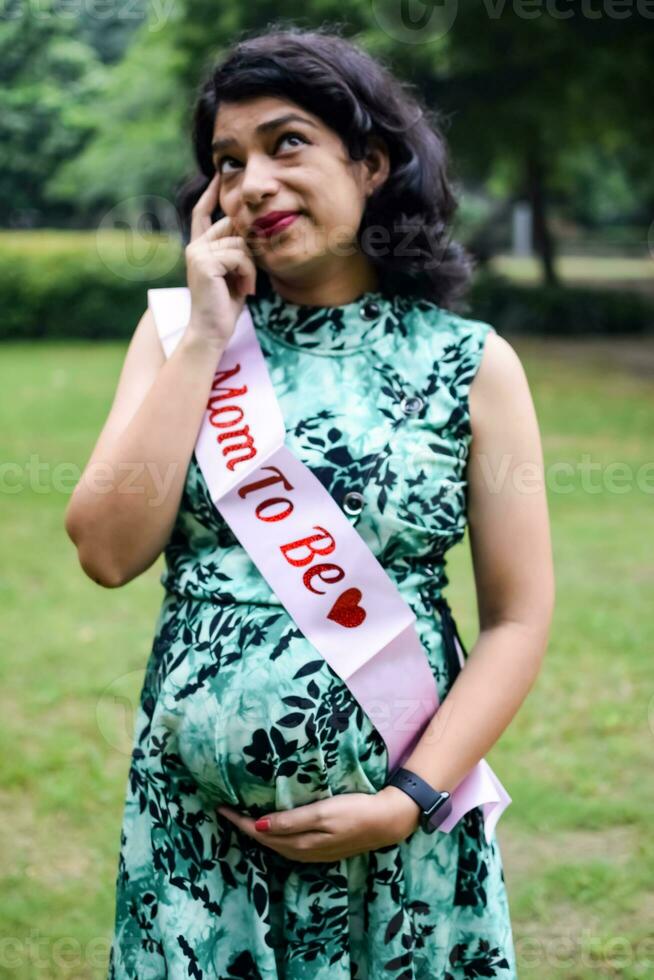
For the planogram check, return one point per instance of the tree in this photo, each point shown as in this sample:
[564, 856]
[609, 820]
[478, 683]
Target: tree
[526, 94]
[44, 69]
[138, 123]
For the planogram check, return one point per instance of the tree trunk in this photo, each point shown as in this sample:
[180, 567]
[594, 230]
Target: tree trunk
[543, 242]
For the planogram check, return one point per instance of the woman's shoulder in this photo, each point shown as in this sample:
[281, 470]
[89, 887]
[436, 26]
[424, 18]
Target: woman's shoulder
[444, 330]
[456, 343]
[479, 365]
[468, 336]
[499, 388]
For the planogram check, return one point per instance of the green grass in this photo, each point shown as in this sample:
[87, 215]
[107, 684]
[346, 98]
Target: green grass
[577, 759]
[593, 270]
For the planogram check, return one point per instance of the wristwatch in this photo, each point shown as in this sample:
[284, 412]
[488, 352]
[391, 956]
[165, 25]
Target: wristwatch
[435, 805]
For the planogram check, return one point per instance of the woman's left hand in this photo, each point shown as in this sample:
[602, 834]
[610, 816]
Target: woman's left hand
[337, 827]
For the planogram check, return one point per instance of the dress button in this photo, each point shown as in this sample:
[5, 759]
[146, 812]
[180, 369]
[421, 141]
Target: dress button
[370, 310]
[353, 502]
[411, 404]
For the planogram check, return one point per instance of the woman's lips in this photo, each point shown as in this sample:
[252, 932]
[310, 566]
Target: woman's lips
[277, 227]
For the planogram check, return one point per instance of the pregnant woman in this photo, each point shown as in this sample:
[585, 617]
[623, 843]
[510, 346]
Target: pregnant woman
[263, 834]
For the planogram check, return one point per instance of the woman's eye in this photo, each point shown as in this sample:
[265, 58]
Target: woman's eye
[288, 136]
[284, 136]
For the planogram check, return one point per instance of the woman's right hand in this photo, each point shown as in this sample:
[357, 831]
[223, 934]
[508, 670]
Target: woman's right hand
[220, 272]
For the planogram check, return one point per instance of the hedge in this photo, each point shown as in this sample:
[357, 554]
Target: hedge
[559, 310]
[62, 285]
[71, 285]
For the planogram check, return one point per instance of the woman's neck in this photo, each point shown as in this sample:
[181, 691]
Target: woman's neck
[335, 288]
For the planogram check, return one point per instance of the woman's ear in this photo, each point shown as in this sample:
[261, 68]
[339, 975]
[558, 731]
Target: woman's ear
[377, 163]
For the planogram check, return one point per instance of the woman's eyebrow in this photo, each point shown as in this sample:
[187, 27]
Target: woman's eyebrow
[263, 127]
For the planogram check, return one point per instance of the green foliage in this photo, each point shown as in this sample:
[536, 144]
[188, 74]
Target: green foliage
[540, 309]
[109, 29]
[45, 72]
[608, 186]
[96, 109]
[98, 150]
[137, 147]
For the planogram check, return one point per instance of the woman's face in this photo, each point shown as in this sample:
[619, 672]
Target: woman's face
[298, 165]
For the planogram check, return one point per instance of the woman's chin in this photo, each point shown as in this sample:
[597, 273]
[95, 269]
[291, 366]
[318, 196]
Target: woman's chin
[290, 262]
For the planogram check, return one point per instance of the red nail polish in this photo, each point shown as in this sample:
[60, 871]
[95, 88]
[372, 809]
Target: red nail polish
[263, 823]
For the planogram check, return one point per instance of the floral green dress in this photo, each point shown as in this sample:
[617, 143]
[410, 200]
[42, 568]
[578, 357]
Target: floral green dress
[238, 707]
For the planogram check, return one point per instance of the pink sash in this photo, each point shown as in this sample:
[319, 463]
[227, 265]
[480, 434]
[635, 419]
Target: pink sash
[321, 570]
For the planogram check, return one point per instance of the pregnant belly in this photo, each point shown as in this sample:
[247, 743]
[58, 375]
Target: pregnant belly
[263, 723]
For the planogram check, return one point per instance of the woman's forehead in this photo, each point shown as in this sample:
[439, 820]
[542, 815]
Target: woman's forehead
[257, 116]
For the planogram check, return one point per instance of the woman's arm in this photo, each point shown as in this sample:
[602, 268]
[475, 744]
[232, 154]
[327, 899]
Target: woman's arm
[122, 511]
[507, 507]
[513, 568]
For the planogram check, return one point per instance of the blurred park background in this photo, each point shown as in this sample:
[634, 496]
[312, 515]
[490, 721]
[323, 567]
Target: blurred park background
[549, 115]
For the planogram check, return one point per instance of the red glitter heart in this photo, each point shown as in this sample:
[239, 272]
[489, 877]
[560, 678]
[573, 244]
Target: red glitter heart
[346, 611]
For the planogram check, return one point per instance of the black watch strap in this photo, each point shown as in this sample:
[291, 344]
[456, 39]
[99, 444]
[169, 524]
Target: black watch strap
[435, 805]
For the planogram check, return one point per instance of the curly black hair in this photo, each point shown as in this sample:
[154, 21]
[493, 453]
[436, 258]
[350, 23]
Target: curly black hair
[357, 96]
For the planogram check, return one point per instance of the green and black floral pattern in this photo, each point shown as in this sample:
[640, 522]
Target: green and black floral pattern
[238, 707]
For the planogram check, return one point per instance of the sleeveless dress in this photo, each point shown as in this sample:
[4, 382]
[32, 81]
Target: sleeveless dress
[237, 707]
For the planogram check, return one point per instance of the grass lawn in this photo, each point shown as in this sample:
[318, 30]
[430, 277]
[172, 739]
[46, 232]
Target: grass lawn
[577, 840]
[583, 270]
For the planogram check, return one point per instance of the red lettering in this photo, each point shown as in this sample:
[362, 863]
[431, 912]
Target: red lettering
[275, 517]
[266, 482]
[224, 408]
[319, 570]
[248, 444]
[326, 572]
[307, 543]
[223, 375]
[214, 413]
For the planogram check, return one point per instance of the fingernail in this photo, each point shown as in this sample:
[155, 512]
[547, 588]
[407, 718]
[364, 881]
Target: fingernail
[263, 823]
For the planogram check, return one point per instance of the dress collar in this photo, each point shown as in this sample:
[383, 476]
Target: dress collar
[344, 329]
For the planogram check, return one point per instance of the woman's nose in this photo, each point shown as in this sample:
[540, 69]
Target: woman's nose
[258, 179]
